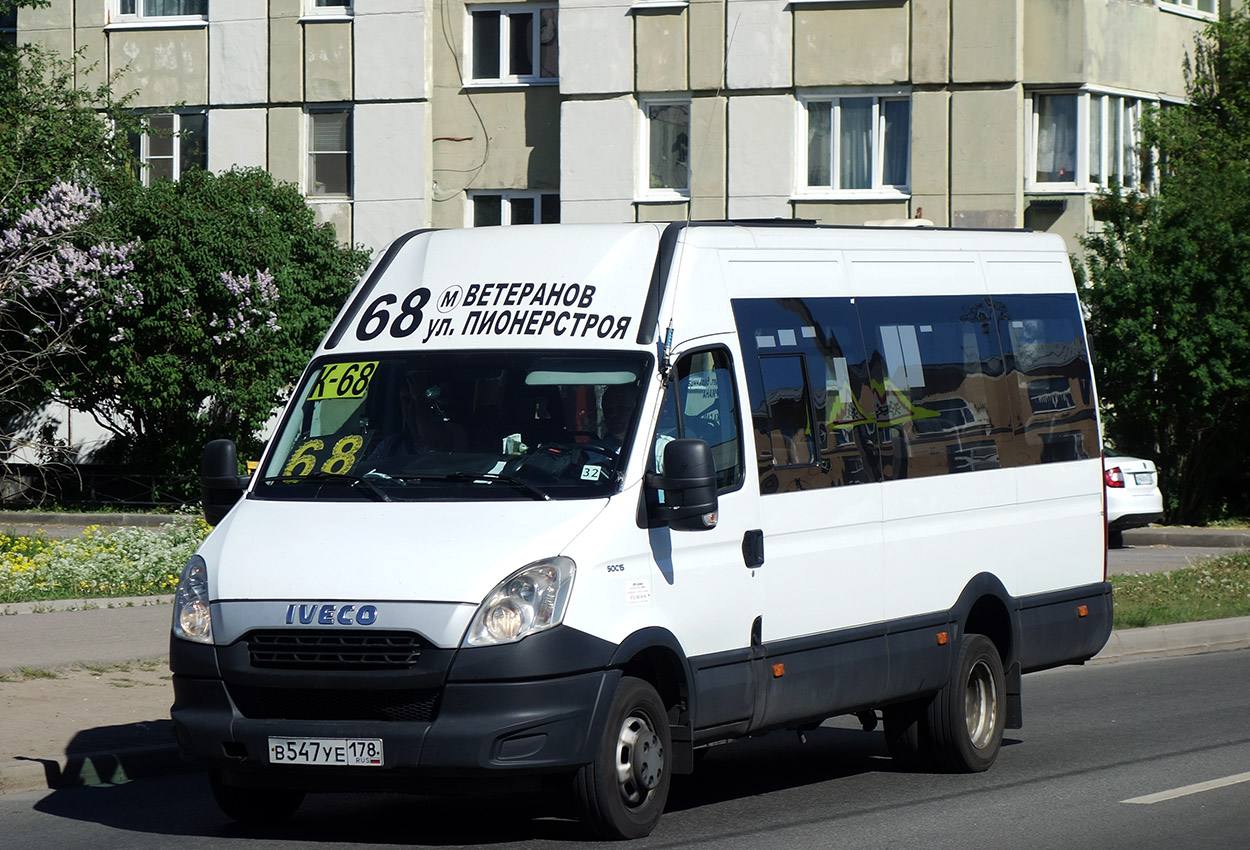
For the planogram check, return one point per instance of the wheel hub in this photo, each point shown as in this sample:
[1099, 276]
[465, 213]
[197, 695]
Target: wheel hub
[640, 762]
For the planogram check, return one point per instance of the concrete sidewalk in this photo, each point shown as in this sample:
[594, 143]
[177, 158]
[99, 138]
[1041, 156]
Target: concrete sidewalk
[104, 718]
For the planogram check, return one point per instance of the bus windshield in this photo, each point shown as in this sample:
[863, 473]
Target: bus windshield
[455, 425]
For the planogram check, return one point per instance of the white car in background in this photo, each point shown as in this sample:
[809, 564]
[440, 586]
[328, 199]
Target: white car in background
[1133, 496]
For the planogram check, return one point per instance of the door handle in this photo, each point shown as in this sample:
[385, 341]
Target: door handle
[753, 548]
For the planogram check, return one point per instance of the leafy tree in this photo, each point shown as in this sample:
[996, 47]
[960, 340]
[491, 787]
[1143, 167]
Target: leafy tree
[1170, 294]
[57, 265]
[238, 284]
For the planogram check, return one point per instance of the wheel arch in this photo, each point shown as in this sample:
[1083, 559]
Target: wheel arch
[655, 655]
[986, 608]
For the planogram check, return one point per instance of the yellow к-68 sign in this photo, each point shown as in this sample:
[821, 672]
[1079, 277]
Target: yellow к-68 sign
[342, 380]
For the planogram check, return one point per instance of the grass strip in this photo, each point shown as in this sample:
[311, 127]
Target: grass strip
[1213, 589]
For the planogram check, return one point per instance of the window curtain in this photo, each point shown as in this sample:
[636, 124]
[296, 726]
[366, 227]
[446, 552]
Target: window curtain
[897, 141]
[1056, 138]
[855, 143]
[152, 8]
[819, 144]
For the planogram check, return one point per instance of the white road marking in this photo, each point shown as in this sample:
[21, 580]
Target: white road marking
[1186, 790]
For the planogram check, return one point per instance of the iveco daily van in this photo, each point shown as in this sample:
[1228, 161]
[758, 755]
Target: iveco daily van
[562, 505]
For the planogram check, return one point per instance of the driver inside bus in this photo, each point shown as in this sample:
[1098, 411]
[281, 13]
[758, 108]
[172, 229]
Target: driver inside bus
[617, 406]
[423, 427]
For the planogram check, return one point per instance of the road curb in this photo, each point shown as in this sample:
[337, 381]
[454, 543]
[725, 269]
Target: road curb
[9, 519]
[1175, 640]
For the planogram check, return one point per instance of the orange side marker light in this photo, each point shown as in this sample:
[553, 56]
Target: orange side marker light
[1082, 610]
[943, 638]
[779, 670]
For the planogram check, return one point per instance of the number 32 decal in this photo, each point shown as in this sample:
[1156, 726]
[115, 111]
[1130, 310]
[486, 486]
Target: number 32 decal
[377, 317]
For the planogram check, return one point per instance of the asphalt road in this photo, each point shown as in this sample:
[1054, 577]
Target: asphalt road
[1096, 740]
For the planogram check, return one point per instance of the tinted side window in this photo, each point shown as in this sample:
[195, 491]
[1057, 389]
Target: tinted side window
[941, 399]
[811, 404]
[1049, 377]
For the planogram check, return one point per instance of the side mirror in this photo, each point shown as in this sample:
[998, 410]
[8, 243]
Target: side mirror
[689, 485]
[221, 485]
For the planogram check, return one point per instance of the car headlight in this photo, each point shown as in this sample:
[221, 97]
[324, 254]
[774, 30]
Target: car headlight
[193, 620]
[530, 600]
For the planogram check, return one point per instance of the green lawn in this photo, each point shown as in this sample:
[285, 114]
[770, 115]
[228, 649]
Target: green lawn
[1213, 589]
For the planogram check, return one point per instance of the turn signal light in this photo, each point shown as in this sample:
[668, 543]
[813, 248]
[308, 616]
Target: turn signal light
[779, 670]
[1082, 610]
[943, 638]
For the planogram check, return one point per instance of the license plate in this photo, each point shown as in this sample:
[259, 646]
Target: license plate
[337, 752]
[1143, 478]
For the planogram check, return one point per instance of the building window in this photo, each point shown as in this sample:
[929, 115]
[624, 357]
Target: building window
[170, 144]
[162, 8]
[514, 44]
[330, 153]
[856, 143]
[329, 7]
[666, 146]
[491, 208]
[8, 27]
[1083, 140]
[1209, 7]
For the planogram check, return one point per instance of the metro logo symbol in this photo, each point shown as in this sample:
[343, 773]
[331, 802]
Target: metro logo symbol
[331, 614]
[450, 299]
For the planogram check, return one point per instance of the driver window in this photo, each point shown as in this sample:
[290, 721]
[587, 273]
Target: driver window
[701, 403]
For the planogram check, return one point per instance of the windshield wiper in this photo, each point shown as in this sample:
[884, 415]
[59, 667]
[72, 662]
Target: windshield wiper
[490, 477]
[331, 478]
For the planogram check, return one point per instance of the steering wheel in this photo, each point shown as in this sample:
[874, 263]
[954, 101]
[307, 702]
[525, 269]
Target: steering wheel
[594, 443]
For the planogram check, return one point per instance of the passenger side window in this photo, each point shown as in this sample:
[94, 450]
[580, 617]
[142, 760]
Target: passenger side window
[811, 403]
[1049, 378]
[941, 401]
[701, 403]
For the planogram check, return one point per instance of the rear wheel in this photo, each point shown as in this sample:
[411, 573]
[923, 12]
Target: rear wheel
[621, 794]
[966, 718]
[254, 806]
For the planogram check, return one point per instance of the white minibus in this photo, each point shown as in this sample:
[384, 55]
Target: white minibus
[560, 506]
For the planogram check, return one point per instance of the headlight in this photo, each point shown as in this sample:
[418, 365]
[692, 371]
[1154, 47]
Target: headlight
[192, 618]
[530, 600]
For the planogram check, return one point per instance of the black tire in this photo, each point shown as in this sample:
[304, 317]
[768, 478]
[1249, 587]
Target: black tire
[965, 721]
[621, 794]
[906, 735]
[254, 806]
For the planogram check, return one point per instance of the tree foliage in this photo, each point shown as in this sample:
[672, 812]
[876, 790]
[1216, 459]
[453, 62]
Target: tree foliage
[238, 284]
[1170, 289]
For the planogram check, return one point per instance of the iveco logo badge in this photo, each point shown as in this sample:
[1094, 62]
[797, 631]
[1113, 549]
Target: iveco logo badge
[329, 615]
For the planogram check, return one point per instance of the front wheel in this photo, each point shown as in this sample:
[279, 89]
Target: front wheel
[621, 794]
[966, 718]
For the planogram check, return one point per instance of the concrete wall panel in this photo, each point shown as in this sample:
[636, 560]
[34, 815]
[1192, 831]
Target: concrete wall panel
[287, 155]
[327, 61]
[596, 48]
[377, 223]
[390, 154]
[391, 55]
[707, 44]
[707, 158]
[660, 37]
[987, 157]
[986, 38]
[597, 140]
[339, 215]
[850, 46]
[238, 52]
[286, 64]
[761, 155]
[236, 137]
[930, 41]
[760, 43]
[166, 67]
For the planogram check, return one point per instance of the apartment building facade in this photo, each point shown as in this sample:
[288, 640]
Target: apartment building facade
[396, 114]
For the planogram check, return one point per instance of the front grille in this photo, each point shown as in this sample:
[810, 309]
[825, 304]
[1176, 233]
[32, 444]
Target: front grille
[334, 650]
[398, 706]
